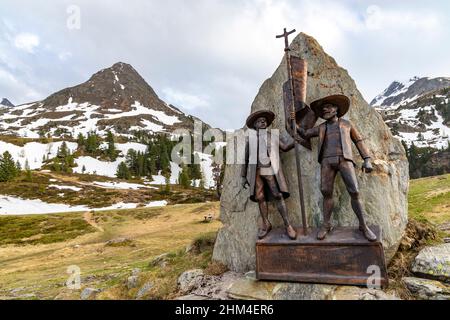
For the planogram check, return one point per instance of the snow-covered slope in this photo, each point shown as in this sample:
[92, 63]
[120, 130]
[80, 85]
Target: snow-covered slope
[116, 99]
[34, 152]
[417, 110]
[17, 206]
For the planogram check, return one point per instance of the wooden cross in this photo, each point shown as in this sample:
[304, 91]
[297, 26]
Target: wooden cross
[285, 35]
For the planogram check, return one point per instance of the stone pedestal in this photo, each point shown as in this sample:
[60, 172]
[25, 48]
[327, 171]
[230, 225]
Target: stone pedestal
[344, 257]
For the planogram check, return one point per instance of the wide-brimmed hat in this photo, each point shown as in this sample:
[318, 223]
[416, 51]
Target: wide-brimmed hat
[269, 115]
[339, 100]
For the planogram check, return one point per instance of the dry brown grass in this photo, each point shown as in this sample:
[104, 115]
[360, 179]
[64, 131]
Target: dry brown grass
[42, 268]
[417, 235]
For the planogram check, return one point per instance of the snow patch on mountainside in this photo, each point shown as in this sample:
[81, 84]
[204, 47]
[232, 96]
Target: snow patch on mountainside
[174, 174]
[85, 117]
[121, 185]
[206, 166]
[64, 187]
[18, 206]
[34, 152]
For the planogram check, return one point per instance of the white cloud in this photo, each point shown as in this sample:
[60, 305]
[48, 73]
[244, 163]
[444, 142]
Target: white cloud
[26, 42]
[185, 100]
[13, 88]
[63, 56]
[377, 18]
[217, 53]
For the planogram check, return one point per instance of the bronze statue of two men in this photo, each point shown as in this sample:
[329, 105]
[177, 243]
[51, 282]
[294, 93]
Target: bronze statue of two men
[335, 137]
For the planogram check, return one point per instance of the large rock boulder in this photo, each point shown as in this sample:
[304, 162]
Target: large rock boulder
[433, 262]
[384, 192]
[248, 288]
[427, 289]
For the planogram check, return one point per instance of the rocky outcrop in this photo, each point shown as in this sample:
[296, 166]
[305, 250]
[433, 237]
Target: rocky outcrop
[5, 103]
[433, 263]
[196, 285]
[189, 280]
[426, 289]
[89, 293]
[248, 288]
[384, 192]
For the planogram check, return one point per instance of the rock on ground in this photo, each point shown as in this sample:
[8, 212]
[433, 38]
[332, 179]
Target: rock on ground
[132, 282]
[89, 293]
[144, 290]
[383, 192]
[248, 288]
[433, 262]
[194, 285]
[216, 287]
[189, 280]
[427, 289]
[120, 242]
[160, 260]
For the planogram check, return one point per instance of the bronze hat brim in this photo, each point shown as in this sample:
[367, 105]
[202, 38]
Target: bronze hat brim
[269, 115]
[339, 100]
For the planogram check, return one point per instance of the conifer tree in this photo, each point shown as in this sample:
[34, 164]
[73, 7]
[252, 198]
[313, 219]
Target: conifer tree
[123, 172]
[183, 178]
[81, 141]
[8, 168]
[111, 151]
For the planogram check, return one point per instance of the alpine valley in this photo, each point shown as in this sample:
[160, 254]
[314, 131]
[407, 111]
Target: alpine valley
[103, 144]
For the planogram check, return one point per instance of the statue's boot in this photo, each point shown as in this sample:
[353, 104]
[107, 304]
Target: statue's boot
[264, 231]
[357, 208]
[266, 226]
[367, 232]
[290, 231]
[323, 231]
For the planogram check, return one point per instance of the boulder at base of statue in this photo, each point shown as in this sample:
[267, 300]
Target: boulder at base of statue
[383, 192]
[433, 263]
[248, 288]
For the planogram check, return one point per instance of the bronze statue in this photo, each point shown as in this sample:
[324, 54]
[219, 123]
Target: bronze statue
[263, 174]
[335, 154]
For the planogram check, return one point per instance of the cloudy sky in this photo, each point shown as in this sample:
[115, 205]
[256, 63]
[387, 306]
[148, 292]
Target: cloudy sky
[209, 57]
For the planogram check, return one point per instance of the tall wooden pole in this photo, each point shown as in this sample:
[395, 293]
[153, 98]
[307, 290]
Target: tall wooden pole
[285, 35]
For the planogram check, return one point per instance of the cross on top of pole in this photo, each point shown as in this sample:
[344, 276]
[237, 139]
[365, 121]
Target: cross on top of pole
[285, 35]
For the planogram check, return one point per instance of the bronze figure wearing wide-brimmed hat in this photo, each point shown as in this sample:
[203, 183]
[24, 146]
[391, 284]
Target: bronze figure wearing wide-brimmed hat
[265, 177]
[340, 101]
[336, 136]
[268, 115]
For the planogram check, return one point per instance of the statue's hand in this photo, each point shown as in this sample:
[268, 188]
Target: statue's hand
[367, 166]
[301, 132]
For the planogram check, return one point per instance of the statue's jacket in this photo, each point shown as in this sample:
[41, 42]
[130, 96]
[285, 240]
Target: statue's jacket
[249, 169]
[348, 134]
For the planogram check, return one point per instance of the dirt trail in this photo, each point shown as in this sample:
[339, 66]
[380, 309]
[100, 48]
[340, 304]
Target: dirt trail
[87, 216]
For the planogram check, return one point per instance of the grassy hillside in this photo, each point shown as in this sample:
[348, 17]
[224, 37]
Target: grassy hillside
[61, 240]
[36, 250]
[429, 199]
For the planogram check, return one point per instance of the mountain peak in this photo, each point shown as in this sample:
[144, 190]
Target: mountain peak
[116, 98]
[403, 91]
[119, 68]
[5, 102]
